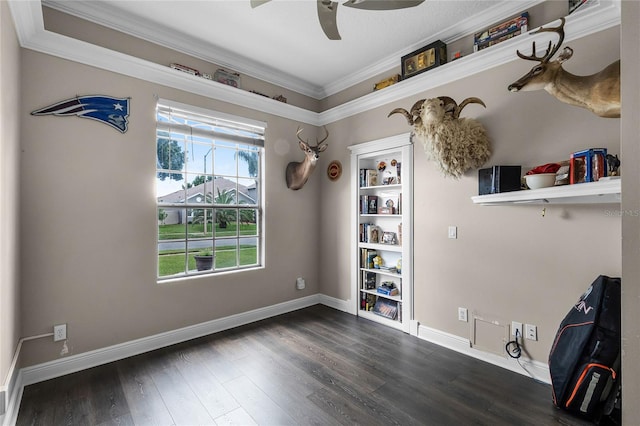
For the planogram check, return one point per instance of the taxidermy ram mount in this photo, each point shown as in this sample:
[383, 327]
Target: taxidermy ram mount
[599, 92]
[455, 144]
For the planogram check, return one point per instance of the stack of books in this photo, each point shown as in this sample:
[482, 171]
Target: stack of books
[501, 32]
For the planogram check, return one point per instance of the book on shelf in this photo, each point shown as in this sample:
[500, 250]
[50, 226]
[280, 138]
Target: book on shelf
[386, 308]
[387, 268]
[366, 257]
[368, 177]
[367, 301]
[501, 32]
[368, 280]
[388, 291]
[368, 204]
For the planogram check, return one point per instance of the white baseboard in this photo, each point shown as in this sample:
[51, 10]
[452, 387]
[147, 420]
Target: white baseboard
[535, 369]
[332, 302]
[71, 364]
[60, 367]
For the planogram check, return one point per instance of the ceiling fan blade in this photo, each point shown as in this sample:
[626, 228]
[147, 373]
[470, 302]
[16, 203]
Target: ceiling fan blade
[327, 12]
[256, 3]
[382, 4]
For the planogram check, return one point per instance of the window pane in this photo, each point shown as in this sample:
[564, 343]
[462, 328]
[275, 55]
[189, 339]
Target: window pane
[248, 191]
[199, 158]
[225, 160]
[200, 189]
[248, 223]
[200, 255]
[248, 251]
[169, 156]
[171, 223]
[226, 223]
[248, 162]
[171, 261]
[200, 223]
[225, 190]
[170, 190]
[226, 254]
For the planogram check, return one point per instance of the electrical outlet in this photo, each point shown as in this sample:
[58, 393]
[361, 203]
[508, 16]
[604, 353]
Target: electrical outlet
[59, 332]
[516, 326]
[531, 332]
[462, 314]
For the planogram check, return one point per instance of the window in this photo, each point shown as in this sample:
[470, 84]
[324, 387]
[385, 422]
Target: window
[209, 191]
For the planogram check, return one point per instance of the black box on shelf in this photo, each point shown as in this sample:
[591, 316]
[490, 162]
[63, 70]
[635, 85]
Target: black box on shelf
[496, 179]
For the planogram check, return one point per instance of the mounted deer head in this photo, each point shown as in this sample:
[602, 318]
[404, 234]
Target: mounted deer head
[297, 173]
[599, 93]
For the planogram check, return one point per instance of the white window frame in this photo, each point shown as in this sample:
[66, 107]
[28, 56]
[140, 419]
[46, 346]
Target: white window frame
[188, 123]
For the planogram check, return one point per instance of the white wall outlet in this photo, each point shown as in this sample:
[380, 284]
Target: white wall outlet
[59, 332]
[300, 284]
[531, 332]
[453, 232]
[462, 314]
[515, 325]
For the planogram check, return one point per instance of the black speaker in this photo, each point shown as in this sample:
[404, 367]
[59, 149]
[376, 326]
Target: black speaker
[498, 179]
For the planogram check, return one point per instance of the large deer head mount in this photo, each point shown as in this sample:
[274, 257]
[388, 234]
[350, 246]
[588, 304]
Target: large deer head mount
[599, 93]
[298, 173]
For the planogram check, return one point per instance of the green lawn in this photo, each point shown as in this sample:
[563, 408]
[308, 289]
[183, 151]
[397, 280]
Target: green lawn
[171, 262]
[177, 232]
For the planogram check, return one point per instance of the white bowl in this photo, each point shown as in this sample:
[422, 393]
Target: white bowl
[540, 180]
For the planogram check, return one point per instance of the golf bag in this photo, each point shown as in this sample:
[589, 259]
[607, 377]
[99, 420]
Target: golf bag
[584, 361]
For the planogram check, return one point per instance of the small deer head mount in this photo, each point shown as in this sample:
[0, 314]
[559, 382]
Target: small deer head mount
[298, 173]
[599, 93]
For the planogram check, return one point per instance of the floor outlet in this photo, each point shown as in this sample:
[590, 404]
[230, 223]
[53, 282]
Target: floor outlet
[516, 326]
[531, 332]
[462, 314]
[59, 332]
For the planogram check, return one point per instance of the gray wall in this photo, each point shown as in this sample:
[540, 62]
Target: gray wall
[9, 153]
[88, 219]
[508, 263]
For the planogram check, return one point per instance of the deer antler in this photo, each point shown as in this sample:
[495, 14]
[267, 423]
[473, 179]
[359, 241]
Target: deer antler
[551, 49]
[318, 143]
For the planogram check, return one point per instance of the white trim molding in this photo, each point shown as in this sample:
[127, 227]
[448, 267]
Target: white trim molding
[527, 367]
[60, 367]
[27, 16]
[18, 379]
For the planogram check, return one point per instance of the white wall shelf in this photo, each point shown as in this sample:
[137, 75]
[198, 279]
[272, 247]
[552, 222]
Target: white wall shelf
[601, 192]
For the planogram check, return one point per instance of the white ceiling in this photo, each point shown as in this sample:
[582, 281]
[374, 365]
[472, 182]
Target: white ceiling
[282, 42]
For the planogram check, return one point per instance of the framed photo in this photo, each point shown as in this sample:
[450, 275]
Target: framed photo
[389, 238]
[423, 59]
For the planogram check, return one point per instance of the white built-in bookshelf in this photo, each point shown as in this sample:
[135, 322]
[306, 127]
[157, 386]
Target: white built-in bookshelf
[382, 217]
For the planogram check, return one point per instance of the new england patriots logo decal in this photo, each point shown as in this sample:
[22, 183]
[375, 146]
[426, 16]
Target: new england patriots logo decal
[111, 111]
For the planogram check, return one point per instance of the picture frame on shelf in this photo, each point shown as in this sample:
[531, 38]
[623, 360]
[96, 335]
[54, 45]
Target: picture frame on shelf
[424, 59]
[389, 238]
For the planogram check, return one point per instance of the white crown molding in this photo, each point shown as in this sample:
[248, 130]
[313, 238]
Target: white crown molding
[462, 29]
[27, 17]
[100, 13]
[590, 21]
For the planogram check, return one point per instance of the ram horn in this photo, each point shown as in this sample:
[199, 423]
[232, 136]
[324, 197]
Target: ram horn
[466, 102]
[449, 104]
[404, 112]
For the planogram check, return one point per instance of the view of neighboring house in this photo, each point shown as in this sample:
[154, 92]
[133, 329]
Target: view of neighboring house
[197, 194]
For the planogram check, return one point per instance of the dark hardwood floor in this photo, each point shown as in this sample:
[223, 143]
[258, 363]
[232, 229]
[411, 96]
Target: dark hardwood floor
[313, 366]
